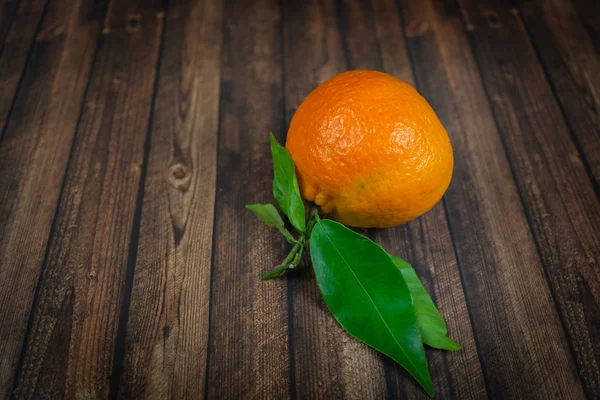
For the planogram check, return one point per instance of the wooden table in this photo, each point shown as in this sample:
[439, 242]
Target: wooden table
[134, 132]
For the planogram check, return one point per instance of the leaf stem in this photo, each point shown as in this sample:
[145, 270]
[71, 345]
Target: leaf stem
[294, 257]
[312, 219]
[288, 236]
[298, 257]
[281, 268]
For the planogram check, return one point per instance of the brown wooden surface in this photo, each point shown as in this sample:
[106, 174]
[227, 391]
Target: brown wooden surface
[71, 340]
[134, 132]
[33, 161]
[172, 268]
[567, 52]
[19, 27]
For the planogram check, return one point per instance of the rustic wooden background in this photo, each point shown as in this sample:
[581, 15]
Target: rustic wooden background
[134, 131]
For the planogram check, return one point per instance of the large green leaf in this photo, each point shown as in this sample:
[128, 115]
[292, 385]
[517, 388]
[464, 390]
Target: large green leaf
[367, 294]
[268, 214]
[430, 322]
[285, 185]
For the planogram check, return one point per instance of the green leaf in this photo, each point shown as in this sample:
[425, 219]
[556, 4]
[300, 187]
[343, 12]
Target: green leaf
[268, 214]
[430, 322]
[367, 294]
[285, 186]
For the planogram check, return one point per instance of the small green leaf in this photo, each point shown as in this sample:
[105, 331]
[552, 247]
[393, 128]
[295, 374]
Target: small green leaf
[285, 186]
[430, 322]
[268, 214]
[368, 296]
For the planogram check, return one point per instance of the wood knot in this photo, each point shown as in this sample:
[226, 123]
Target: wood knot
[166, 331]
[178, 172]
[491, 19]
[117, 75]
[180, 176]
[134, 22]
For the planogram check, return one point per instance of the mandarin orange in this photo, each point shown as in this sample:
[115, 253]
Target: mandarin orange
[369, 150]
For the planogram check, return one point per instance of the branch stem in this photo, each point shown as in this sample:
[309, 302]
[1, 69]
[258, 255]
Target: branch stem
[281, 268]
[294, 257]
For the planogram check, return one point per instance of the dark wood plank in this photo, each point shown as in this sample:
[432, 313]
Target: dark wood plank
[426, 243]
[18, 39]
[560, 201]
[70, 348]
[248, 343]
[167, 331]
[328, 363]
[33, 159]
[589, 13]
[572, 65]
[523, 348]
[8, 11]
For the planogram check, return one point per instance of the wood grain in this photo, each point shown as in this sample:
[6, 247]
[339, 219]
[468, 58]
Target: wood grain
[248, 343]
[81, 291]
[33, 159]
[572, 66]
[129, 267]
[426, 243]
[165, 355]
[559, 198]
[18, 37]
[519, 334]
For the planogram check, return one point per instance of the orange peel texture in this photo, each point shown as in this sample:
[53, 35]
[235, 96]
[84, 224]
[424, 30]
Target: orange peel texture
[369, 150]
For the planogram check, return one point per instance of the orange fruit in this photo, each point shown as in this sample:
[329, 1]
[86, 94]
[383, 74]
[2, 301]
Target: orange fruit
[369, 150]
